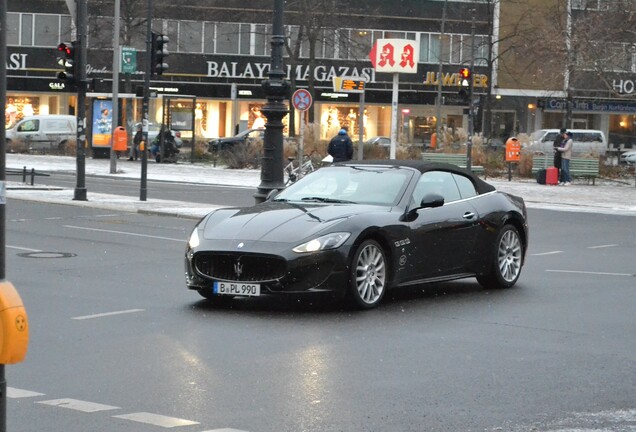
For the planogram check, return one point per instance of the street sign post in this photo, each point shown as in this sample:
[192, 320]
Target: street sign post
[395, 56]
[301, 100]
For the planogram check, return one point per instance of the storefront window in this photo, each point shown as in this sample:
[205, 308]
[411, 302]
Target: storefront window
[19, 107]
[262, 39]
[245, 39]
[190, 37]
[360, 44]
[65, 30]
[47, 30]
[13, 28]
[208, 37]
[227, 38]
[622, 131]
[27, 30]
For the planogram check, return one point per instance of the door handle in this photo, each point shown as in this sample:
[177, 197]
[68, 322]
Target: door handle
[468, 215]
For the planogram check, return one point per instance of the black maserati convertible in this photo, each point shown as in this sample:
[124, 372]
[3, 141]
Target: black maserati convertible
[359, 229]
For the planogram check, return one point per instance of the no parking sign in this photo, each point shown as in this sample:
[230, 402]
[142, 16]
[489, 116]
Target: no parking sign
[301, 99]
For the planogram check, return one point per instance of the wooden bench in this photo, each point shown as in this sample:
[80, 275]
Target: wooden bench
[461, 160]
[579, 167]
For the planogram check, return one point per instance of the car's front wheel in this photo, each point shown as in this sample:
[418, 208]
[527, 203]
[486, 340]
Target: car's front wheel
[369, 275]
[506, 262]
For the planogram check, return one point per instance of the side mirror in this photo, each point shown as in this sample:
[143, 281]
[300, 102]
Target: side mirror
[432, 200]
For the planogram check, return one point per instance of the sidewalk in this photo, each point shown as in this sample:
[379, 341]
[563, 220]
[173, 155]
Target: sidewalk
[609, 197]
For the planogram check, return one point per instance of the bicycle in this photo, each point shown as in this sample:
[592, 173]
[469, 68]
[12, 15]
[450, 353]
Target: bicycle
[294, 172]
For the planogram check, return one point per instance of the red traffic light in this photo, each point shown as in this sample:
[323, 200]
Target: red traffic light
[67, 49]
[464, 73]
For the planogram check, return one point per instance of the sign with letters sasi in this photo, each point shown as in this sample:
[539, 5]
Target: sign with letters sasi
[395, 55]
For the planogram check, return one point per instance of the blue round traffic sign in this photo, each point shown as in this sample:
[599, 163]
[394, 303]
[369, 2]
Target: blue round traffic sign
[301, 99]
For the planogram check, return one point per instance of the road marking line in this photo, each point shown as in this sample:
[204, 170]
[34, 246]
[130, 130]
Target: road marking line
[78, 405]
[547, 253]
[24, 249]
[106, 314]
[225, 430]
[183, 240]
[156, 419]
[592, 273]
[16, 393]
[602, 246]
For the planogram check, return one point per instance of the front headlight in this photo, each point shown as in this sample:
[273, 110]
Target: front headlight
[329, 241]
[194, 238]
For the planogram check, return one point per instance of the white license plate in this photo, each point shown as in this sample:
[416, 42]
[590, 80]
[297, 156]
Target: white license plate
[237, 289]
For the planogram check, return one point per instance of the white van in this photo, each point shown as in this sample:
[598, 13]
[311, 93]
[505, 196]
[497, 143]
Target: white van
[585, 141]
[43, 132]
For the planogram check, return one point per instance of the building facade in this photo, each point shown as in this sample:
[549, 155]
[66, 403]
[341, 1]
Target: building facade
[219, 57]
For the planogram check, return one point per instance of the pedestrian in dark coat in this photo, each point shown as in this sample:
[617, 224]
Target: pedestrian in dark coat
[341, 147]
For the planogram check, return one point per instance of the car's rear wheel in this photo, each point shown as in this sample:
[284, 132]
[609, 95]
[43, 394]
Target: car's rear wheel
[507, 260]
[369, 275]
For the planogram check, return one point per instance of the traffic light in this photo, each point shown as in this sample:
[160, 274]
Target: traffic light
[159, 54]
[464, 74]
[67, 58]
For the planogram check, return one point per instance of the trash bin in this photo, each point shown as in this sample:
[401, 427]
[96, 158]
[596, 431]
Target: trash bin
[513, 150]
[120, 139]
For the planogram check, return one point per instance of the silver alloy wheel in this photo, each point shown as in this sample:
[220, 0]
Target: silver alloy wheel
[370, 274]
[509, 256]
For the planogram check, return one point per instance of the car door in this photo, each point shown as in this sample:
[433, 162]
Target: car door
[29, 130]
[443, 237]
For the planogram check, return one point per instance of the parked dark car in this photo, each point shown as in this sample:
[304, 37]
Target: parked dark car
[379, 141]
[218, 144]
[359, 228]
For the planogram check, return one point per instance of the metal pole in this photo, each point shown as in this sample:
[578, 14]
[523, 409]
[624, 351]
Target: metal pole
[394, 114]
[145, 103]
[471, 126]
[361, 126]
[301, 145]
[3, 188]
[277, 90]
[115, 111]
[439, 77]
[82, 24]
[194, 119]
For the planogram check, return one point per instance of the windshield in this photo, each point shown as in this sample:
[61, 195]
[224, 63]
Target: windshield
[363, 184]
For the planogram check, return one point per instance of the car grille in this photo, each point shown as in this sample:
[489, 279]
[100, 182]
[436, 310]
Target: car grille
[240, 267]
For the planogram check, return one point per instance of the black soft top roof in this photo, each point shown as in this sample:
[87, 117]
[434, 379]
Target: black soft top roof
[480, 185]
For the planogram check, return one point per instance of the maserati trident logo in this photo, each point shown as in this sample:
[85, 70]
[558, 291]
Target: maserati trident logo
[238, 269]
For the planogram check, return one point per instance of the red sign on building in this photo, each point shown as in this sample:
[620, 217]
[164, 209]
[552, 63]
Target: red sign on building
[395, 55]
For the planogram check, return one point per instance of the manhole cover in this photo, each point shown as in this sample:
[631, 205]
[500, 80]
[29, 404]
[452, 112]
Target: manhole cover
[43, 254]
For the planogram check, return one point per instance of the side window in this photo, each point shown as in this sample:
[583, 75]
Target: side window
[29, 126]
[437, 182]
[549, 137]
[465, 185]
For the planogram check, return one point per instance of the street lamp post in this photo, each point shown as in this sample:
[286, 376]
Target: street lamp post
[276, 90]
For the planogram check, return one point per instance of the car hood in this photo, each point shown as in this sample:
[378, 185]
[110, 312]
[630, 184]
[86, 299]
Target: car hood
[279, 222]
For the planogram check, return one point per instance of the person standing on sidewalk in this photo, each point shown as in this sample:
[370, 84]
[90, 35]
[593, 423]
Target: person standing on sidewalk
[341, 147]
[558, 142]
[566, 155]
[134, 150]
